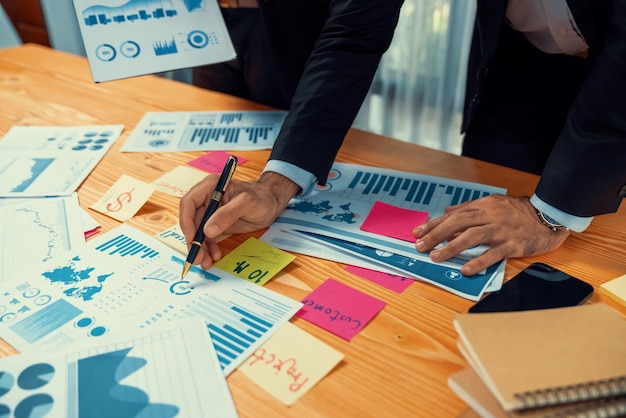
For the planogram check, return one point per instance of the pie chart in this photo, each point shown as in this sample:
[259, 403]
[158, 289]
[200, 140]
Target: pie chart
[35, 406]
[35, 376]
[6, 382]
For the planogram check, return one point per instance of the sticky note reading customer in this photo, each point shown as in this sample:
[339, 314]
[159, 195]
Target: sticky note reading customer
[392, 221]
[290, 363]
[124, 199]
[340, 309]
[255, 261]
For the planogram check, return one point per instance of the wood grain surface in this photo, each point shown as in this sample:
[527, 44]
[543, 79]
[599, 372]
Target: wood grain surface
[399, 364]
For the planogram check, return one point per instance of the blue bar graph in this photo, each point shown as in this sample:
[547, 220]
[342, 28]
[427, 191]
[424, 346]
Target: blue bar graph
[45, 321]
[132, 11]
[126, 246]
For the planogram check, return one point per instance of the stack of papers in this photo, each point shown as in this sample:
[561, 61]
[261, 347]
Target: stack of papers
[329, 224]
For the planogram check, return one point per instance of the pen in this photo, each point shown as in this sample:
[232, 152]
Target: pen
[216, 197]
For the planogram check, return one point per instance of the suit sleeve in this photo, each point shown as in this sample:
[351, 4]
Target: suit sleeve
[586, 172]
[335, 81]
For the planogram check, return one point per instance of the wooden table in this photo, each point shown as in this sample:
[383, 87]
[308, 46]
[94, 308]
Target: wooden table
[399, 364]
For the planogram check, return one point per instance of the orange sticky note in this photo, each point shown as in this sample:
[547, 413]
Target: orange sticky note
[124, 199]
[392, 221]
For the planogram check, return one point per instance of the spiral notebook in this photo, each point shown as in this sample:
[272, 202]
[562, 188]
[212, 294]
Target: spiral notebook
[546, 357]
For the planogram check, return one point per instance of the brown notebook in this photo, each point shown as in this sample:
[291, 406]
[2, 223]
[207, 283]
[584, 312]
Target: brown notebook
[468, 386]
[547, 357]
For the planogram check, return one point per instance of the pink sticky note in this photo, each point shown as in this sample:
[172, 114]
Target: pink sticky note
[392, 221]
[340, 309]
[392, 282]
[214, 161]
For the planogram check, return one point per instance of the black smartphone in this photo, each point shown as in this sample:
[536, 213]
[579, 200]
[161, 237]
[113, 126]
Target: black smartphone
[538, 286]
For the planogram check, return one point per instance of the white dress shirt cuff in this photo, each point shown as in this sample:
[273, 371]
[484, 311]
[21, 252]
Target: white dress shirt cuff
[301, 177]
[575, 223]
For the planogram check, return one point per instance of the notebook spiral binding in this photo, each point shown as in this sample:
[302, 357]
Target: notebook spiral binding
[604, 408]
[574, 393]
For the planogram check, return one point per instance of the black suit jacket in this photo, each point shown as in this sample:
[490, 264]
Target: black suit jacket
[326, 54]
[581, 101]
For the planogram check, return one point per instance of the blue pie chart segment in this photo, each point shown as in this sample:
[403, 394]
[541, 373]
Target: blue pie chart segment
[6, 382]
[35, 406]
[35, 376]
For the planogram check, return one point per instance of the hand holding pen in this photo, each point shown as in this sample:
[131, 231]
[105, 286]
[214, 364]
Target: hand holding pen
[216, 197]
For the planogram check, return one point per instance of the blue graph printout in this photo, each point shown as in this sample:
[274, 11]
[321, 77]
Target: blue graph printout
[41, 161]
[339, 209]
[205, 131]
[134, 37]
[125, 280]
[37, 229]
[169, 370]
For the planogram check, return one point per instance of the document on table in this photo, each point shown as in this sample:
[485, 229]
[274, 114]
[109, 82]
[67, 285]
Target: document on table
[339, 209]
[126, 280]
[41, 161]
[169, 370]
[36, 230]
[126, 39]
[205, 131]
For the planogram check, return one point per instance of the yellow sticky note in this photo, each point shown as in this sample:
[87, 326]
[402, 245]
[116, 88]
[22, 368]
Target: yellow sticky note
[290, 363]
[615, 289]
[178, 181]
[174, 238]
[255, 261]
[124, 199]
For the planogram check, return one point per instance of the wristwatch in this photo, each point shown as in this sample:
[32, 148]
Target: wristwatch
[549, 222]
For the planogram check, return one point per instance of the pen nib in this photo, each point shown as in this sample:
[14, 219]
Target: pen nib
[186, 268]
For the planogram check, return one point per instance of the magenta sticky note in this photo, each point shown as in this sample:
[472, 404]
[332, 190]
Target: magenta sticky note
[390, 281]
[340, 309]
[214, 161]
[392, 221]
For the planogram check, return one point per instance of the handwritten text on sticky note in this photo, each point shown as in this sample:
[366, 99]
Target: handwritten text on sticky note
[124, 199]
[178, 181]
[392, 221]
[214, 161]
[340, 309]
[290, 363]
[255, 261]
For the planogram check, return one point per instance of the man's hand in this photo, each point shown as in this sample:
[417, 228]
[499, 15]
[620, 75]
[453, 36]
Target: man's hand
[246, 207]
[508, 225]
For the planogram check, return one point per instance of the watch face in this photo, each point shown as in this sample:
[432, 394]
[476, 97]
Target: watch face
[550, 220]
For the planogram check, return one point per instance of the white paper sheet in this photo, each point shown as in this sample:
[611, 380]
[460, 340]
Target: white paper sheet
[124, 280]
[205, 131]
[136, 37]
[43, 161]
[170, 370]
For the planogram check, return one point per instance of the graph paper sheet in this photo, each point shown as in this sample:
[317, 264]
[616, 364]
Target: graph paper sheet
[167, 371]
[36, 230]
[135, 37]
[125, 280]
[205, 131]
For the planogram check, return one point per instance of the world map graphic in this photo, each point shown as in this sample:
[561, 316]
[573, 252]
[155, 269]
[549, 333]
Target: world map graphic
[80, 282]
[326, 209]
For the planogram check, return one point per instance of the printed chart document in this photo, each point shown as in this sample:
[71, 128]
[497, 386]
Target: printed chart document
[135, 37]
[126, 280]
[36, 230]
[333, 217]
[205, 131]
[168, 371]
[41, 161]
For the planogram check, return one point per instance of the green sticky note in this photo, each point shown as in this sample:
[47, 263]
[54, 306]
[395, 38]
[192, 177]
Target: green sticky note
[255, 261]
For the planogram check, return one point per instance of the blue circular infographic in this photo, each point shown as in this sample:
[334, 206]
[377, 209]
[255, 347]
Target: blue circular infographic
[156, 143]
[198, 39]
[130, 49]
[5, 411]
[31, 292]
[105, 52]
[84, 322]
[98, 331]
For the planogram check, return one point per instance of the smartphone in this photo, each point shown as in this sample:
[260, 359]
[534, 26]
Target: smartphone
[538, 286]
